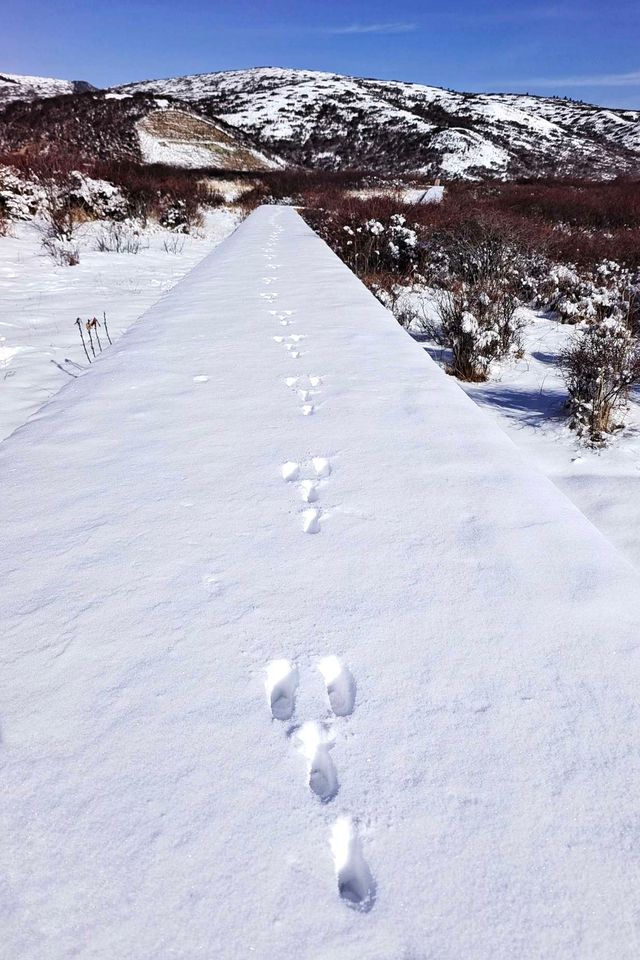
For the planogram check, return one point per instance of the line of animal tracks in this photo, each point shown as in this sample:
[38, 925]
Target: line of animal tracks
[314, 738]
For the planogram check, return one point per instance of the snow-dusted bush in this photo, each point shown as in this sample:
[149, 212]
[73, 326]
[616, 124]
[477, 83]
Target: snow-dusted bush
[576, 294]
[98, 198]
[600, 365]
[378, 246]
[62, 250]
[174, 243]
[180, 215]
[119, 237]
[478, 270]
[479, 323]
[59, 210]
[20, 197]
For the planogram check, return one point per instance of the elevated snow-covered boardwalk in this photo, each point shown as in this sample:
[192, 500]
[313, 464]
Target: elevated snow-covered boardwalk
[443, 762]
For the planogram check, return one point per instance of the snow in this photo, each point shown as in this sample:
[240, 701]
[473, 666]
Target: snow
[465, 150]
[18, 87]
[411, 734]
[528, 398]
[41, 302]
[434, 194]
[196, 142]
[423, 194]
[174, 153]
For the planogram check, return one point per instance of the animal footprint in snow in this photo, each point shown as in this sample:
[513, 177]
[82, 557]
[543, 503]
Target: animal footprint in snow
[281, 685]
[341, 687]
[290, 470]
[291, 381]
[355, 882]
[322, 466]
[309, 491]
[315, 381]
[269, 296]
[294, 355]
[314, 742]
[311, 520]
[278, 339]
[308, 409]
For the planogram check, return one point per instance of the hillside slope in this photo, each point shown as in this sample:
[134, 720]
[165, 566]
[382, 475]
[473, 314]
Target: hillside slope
[123, 126]
[328, 120]
[16, 87]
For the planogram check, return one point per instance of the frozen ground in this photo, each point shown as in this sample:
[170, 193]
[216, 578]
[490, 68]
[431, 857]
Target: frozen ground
[528, 396]
[301, 658]
[39, 302]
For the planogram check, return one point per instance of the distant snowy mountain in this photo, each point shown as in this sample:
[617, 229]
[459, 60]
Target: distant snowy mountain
[14, 87]
[325, 120]
[328, 120]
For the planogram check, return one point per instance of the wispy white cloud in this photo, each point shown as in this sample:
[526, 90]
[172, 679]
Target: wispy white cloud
[359, 28]
[631, 79]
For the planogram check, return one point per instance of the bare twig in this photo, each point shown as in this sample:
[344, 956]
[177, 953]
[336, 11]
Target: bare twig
[79, 326]
[95, 324]
[106, 328]
[93, 349]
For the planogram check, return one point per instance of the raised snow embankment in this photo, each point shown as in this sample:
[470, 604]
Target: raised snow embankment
[301, 659]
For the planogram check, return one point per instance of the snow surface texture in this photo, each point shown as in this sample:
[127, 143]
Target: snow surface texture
[408, 735]
[40, 347]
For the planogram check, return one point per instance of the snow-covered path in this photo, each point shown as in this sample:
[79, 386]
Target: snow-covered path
[301, 658]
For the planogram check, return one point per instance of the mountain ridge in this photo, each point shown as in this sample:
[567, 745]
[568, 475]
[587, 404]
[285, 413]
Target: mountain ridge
[324, 119]
[320, 119]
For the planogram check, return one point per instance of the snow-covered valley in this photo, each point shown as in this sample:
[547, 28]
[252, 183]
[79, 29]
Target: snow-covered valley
[303, 657]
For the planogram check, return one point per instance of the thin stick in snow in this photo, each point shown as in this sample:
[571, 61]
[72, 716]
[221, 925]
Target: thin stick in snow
[95, 325]
[106, 328]
[93, 349]
[79, 325]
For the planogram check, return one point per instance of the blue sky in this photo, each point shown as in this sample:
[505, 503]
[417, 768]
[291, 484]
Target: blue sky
[588, 50]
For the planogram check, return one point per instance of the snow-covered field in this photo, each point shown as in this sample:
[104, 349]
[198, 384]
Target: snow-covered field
[302, 658]
[528, 399]
[40, 301]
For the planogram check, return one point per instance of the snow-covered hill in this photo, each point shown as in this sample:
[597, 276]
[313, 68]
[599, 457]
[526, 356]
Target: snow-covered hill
[16, 87]
[328, 120]
[98, 125]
